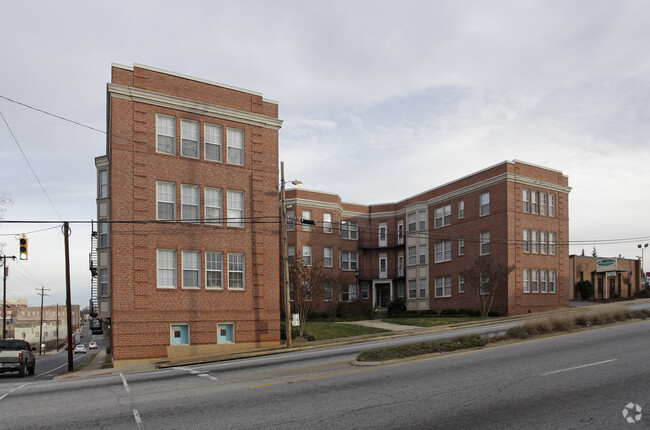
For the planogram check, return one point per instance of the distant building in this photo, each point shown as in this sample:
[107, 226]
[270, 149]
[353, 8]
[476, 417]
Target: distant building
[610, 277]
[188, 229]
[419, 248]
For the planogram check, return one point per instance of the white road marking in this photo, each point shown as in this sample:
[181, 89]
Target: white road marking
[138, 421]
[11, 391]
[126, 386]
[203, 373]
[578, 367]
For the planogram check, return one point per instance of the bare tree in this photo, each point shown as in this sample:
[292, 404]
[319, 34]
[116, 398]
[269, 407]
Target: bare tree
[4, 202]
[484, 279]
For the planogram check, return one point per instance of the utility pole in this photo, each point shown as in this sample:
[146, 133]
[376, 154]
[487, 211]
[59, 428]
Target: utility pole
[5, 271]
[68, 299]
[40, 343]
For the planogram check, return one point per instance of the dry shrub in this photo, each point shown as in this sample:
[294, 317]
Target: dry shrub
[561, 322]
[582, 319]
[537, 326]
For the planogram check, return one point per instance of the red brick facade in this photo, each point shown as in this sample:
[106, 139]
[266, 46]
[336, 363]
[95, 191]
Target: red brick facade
[432, 221]
[610, 277]
[159, 307]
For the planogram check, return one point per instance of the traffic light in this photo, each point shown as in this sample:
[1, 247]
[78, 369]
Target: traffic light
[23, 247]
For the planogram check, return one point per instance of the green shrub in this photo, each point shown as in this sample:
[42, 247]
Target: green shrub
[494, 314]
[449, 312]
[396, 306]
[586, 289]
[516, 332]
[414, 349]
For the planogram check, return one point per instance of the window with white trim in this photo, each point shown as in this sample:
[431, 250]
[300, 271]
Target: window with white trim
[443, 251]
[542, 281]
[551, 205]
[400, 264]
[526, 240]
[412, 287]
[306, 290]
[383, 266]
[461, 209]
[461, 246]
[165, 134]
[103, 184]
[365, 291]
[166, 265]
[400, 289]
[349, 230]
[423, 289]
[422, 220]
[327, 222]
[235, 148]
[212, 199]
[306, 255]
[213, 142]
[410, 221]
[349, 293]
[542, 203]
[422, 254]
[443, 216]
[461, 283]
[306, 215]
[535, 247]
[383, 233]
[484, 239]
[485, 283]
[551, 281]
[166, 200]
[103, 234]
[103, 282]
[349, 261]
[235, 208]
[328, 292]
[443, 286]
[327, 256]
[543, 242]
[236, 265]
[190, 203]
[191, 262]
[526, 200]
[535, 282]
[535, 202]
[484, 203]
[189, 139]
[412, 255]
[526, 273]
[400, 233]
[290, 220]
[291, 255]
[551, 243]
[214, 270]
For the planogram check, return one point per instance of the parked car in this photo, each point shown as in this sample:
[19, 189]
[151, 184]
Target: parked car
[80, 349]
[92, 345]
[16, 355]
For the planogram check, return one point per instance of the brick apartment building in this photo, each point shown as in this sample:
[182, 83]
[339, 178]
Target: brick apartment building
[186, 260]
[418, 249]
[610, 277]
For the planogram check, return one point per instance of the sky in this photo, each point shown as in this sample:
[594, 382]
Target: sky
[381, 100]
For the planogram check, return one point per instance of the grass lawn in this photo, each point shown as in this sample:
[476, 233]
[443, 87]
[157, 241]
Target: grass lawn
[332, 330]
[431, 321]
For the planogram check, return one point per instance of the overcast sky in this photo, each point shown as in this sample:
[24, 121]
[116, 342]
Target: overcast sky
[381, 100]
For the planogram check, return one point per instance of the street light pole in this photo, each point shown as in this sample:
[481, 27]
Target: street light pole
[642, 248]
[285, 259]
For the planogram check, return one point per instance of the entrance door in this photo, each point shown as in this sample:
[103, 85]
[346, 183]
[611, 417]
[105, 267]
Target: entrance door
[612, 286]
[225, 333]
[382, 295]
[601, 291]
[180, 334]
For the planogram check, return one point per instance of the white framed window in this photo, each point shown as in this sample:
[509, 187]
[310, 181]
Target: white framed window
[461, 283]
[551, 243]
[461, 209]
[103, 184]
[400, 233]
[526, 240]
[349, 294]
[213, 142]
[214, 270]
[413, 290]
[349, 261]
[551, 281]
[327, 222]
[422, 220]
[526, 273]
[443, 216]
[423, 289]
[103, 234]
[535, 244]
[412, 255]
[306, 290]
[443, 251]
[236, 266]
[213, 200]
[349, 230]
[551, 205]
[526, 200]
[534, 202]
[461, 246]
[400, 264]
[410, 221]
[166, 200]
[485, 283]
[235, 208]
[543, 242]
[291, 255]
[306, 255]
[103, 282]
[191, 262]
[422, 254]
[484, 203]
[484, 238]
[383, 235]
[327, 256]
[383, 266]
[365, 291]
[189, 139]
[542, 203]
[165, 134]
[306, 215]
[190, 203]
[328, 292]
[235, 146]
[166, 268]
[290, 220]
[443, 286]
[535, 280]
[400, 289]
[542, 281]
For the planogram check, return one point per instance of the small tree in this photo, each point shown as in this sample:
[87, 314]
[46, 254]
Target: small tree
[585, 289]
[594, 253]
[484, 279]
[4, 202]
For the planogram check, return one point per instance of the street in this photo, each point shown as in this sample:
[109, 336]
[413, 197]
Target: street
[583, 379]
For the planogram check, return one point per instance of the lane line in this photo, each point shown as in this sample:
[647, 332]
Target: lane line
[11, 391]
[126, 386]
[138, 421]
[578, 367]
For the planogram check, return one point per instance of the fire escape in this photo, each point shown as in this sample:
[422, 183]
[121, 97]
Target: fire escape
[95, 323]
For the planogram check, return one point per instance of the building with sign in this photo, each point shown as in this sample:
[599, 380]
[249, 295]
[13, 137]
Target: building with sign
[610, 277]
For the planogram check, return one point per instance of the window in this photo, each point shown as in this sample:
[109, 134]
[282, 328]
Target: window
[535, 274]
[214, 270]
[422, 220]
[526, 200]
[327, 222]
[551, 243]
[413, 293]
[306, 290]
[328, 292]
[410, 221]
[213, 141]
[400, 265]
[461, 246]
[535, 248]
[103, 282]
[443, 216]
[306, 215]
[461, 283]
[189, 139]
[236, 272]
[349, 293]
[103, 234]
[306, 255]
[349, 229]
[191, 268]
[551, 281]
[423, 254]
[542, 281]
[484, 202]
[443, 251]
[543, 242]
[103, 183]
[235, 147]
[484, 238]
[526, 240]
[166, 134]
[166, 261]
[166, 194]
[383, 266]
[383, 240]
[400, 233]
[443, 286]
[213, 206]
[551, 205]
[291, 255]
[526, 280]
[423, 289]
[400, 289]
[485, 283]
[535, 204]
[461, 209]
[349, 261]
[327, 256]
[542, 203]
[290, 220]
[189, 203]
[365, 291]
[412, 255]
[235, 209]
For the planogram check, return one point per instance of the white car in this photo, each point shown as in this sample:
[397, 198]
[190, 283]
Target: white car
[80, 349]
[92, 345]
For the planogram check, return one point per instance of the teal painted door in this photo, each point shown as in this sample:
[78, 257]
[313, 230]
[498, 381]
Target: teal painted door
[180, 334]
[226, 333]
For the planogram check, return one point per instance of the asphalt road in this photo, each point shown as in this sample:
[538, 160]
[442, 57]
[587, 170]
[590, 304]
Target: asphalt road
[576, 380]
